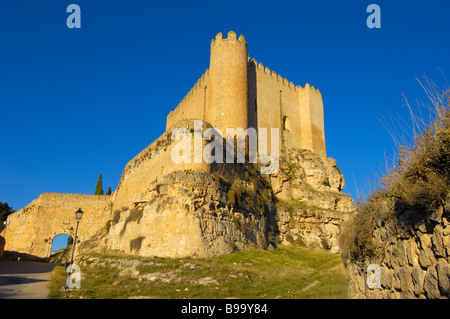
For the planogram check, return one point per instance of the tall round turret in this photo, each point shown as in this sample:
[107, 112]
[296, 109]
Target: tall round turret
[228, 88]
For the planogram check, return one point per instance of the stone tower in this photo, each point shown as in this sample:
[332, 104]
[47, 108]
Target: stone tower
[228, 87]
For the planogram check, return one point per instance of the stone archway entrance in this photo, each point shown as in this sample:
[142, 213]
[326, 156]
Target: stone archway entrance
[31, 230]
[61, 248]
[60, 241]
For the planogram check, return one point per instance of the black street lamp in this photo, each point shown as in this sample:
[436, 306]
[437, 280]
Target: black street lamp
[67, 251]
[78, 214]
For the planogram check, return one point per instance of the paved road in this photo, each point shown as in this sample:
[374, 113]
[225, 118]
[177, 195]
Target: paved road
[24, 279]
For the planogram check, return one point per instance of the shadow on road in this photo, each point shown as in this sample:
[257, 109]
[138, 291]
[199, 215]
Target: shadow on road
[24, 279]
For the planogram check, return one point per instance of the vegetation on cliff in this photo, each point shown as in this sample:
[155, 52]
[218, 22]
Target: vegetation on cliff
[420, 180]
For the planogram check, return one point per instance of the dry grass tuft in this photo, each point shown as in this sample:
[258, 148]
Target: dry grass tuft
[420, 177]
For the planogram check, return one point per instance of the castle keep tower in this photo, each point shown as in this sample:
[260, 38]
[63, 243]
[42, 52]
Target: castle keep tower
[238, 92]
[228, 87]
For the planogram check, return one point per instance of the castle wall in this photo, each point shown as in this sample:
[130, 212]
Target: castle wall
[140, 177]
[317, 122]
[311, 122]
[237, 93]
[296, 111]
[193, 105]
[220, 96]
[32, 228]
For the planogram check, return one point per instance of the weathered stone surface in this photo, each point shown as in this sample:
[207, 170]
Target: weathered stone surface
[406, 283]
[201, 214]
[431, 284]
[387, 278]
[32, 228]
[411, 267]
[443, 275]
[418, 275]
[426, 256]
[194, 223]
[356, 281]
[438, 242]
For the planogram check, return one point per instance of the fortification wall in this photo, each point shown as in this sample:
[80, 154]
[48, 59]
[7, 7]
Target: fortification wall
[413, 261]
[296, 111]
[193, 105]
[317, 120]
[140, 177]
[238, 93]
[32, 228]
[311, 122]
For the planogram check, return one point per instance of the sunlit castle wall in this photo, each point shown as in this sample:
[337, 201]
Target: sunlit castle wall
[238, 92]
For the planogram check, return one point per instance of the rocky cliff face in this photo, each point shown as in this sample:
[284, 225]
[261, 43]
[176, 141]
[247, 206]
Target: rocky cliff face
[413, 257]
[196, 213]
[310, 206]
[192, 213]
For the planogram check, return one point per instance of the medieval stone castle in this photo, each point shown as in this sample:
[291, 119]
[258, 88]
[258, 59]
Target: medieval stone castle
[161, 208]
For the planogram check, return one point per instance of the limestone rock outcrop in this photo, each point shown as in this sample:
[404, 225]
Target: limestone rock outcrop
[196, 213]
[310, 205]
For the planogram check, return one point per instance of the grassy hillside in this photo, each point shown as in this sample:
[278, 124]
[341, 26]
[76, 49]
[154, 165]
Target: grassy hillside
[292, 271]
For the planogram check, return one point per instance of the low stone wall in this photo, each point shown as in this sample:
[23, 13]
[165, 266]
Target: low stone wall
[414, 262]
[31, 229]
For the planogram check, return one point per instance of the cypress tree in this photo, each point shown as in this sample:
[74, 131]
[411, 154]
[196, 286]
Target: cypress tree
[108, 192]
[99, 187]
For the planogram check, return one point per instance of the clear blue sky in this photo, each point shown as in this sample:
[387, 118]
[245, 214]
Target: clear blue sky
[78, 102]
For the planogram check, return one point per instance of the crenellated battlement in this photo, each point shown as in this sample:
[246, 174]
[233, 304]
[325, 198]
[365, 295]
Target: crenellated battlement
[231, 37]
[191, 103]
[266, 70]
[310, 88]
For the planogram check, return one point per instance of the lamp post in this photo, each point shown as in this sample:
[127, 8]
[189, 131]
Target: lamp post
[78, 214]
[68, 249]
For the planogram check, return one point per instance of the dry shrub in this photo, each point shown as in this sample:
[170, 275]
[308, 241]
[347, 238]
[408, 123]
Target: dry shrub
[422, 175]
[420, 178]
[356, 240]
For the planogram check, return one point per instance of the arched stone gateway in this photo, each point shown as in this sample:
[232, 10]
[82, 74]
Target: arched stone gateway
[31, 229]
